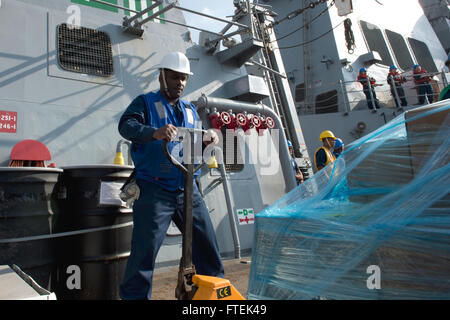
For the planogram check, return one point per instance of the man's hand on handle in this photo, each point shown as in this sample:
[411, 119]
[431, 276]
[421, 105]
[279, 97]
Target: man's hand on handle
[210, 136]
[168, 132]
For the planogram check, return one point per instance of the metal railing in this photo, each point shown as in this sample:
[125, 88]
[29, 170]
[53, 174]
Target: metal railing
[350, 95]
[134, 23]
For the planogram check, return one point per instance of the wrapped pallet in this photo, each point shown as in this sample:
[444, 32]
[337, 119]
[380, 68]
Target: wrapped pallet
[375, 224]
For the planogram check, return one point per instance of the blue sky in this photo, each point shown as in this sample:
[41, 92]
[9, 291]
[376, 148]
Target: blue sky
[217, 8]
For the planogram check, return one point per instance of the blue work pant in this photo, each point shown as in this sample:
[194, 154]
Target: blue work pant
[400, 95]
[425, 89]
[152, 214]
[370, 103]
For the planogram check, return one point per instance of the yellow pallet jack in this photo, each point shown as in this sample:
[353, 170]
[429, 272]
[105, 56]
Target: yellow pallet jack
[192, 286]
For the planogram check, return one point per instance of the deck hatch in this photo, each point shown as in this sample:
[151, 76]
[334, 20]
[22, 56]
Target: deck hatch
[84, 50]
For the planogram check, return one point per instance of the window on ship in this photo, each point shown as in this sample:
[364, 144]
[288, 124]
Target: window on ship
[423, 55]
[400, 49]
[375, 41]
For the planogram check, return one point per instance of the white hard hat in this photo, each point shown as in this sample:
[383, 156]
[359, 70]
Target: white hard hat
[176, 61]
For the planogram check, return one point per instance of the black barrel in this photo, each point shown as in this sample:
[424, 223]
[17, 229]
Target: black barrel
[28, 209]
[92, 259]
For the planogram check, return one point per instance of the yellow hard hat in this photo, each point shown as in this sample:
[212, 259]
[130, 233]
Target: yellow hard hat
[326, 134]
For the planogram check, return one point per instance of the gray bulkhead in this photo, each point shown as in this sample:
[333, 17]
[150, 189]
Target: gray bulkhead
[313, 47]
[76, 115]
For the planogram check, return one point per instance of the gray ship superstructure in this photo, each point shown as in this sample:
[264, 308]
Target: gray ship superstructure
[324, 49]
[69, 68]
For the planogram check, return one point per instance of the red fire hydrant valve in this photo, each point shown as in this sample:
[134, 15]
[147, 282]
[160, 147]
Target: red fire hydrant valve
[270, 123]
[237, 120]
[218, 120]
[241, 119]
[266, 123]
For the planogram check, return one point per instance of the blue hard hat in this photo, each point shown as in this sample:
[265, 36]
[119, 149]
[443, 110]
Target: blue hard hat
[338, 143]
[392, 67]
[415, 66]
[289, 143]
[362, 69]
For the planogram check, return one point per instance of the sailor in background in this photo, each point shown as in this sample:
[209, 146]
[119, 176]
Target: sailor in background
[368, 84]
[149, 119]
[422, 80]
[298, 174]
[395, 80]
[338, 147]
[323, 155]
[445, 93]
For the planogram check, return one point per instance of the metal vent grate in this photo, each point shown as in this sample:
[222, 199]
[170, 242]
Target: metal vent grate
[85, 50]
[232, 157]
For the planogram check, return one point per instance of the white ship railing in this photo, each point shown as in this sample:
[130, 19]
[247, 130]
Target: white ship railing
[349, 94]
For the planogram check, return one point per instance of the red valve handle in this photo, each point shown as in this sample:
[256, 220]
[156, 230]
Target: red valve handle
[270, 123]
[241, 119]
[225, 117]
[256, 121]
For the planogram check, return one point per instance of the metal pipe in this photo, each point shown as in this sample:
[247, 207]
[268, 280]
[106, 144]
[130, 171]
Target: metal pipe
[119, 149]
[444, 78]
[142, 12]
[344, 96]
[371, 94]
[114, 5]
[221, 104]
[188, 26]
[226, 28]
[212, 17]
[223, 36]
[188, 218]
[394, 90]
[268, 69]
[138, 14]
[154, 15]
[229, 202]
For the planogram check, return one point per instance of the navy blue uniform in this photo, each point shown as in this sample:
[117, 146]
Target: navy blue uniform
[369, 91]
[424, 88]
[161, 194]
[395, 80]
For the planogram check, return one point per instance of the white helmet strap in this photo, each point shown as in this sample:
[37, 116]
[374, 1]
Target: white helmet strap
[166, 89]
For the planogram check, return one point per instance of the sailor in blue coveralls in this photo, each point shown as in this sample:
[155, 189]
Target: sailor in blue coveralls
[297, 172]
[148, 120]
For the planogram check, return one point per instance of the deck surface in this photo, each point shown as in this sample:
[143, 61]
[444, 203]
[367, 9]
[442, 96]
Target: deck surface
[165, 279]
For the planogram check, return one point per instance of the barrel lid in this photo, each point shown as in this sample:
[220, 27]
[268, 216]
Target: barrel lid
[31, 169]
[98, 166]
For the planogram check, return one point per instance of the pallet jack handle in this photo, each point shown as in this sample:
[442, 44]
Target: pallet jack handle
[185, 289]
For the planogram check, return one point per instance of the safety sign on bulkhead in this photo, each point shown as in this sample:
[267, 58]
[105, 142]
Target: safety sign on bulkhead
[8, 121]
[246, 216]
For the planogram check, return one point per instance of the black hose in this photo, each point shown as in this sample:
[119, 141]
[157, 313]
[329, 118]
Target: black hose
[349, 37]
